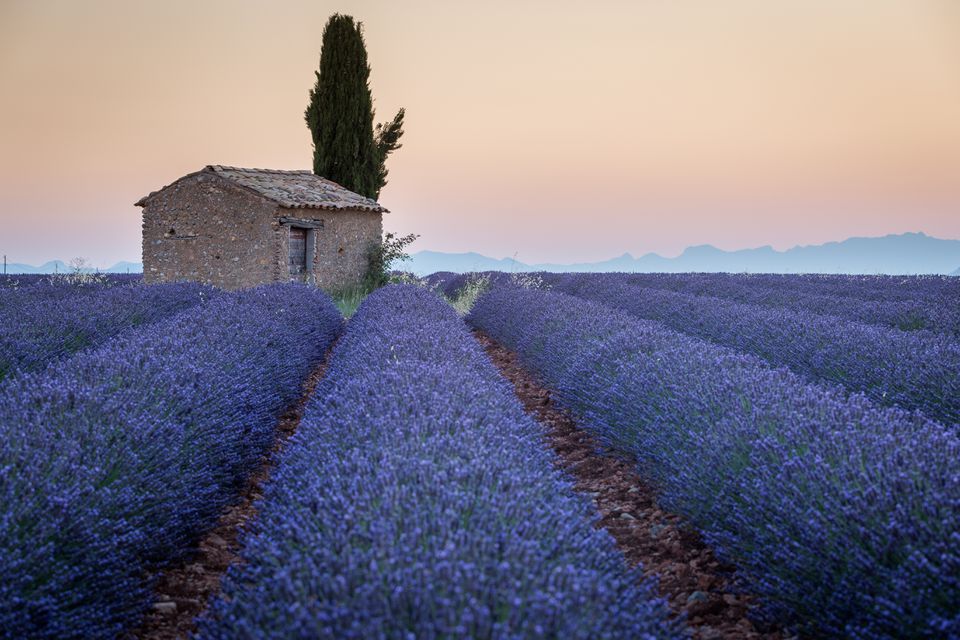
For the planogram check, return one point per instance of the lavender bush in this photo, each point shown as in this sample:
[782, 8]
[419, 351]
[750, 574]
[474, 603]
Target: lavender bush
[893, 368]
[23, 280]
[920, 289]
[938, 314]
[438, 280]
[113, 462]
[843, 515]
[16, 293]
[417, 500]
[879, 288]
[45, 323]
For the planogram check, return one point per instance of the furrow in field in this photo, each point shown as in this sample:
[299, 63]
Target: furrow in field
[840, 514]
[113, 463]
[697, 586]
[893, 368]
[47, 324]
[417, 501]
[184, 590]
[938, 315]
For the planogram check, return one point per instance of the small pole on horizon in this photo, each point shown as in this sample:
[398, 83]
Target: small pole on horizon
[4, 265]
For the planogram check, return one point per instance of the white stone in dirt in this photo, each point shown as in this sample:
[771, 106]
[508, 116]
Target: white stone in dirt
[216, 540]
[165, 608]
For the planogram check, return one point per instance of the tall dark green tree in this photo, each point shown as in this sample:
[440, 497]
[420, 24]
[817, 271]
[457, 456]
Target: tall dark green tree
[347, 148]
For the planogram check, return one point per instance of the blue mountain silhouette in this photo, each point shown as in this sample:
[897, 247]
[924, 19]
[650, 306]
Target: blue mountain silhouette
[907, 253]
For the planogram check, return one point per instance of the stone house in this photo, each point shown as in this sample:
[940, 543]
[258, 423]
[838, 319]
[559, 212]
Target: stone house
[236, 228]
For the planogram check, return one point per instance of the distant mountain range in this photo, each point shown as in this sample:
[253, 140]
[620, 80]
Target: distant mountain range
[908, 253]
[59, 266]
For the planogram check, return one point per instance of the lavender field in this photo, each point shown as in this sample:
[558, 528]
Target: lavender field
[181, 461]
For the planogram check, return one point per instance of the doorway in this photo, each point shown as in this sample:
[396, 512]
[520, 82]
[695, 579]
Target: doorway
[297, 261]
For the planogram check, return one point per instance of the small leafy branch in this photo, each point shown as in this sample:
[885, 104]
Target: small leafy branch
[392, 250]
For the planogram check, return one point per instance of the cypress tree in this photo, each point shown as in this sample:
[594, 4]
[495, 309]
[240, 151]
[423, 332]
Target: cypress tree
[346, 147]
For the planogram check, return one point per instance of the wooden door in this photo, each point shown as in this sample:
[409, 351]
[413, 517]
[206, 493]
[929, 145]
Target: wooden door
[298, 253]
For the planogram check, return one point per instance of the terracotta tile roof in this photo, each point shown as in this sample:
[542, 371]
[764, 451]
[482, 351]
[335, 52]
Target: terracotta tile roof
[291, 189]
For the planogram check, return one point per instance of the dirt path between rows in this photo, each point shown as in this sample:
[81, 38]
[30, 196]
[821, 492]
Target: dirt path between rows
[183, 591]
[690, 577]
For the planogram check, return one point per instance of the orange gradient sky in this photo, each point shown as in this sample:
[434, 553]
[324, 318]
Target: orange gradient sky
[549, 131]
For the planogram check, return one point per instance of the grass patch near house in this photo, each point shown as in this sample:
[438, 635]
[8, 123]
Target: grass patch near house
[347, 300]
[468, 294]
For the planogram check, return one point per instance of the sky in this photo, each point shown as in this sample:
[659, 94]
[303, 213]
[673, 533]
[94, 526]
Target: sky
[542, 130]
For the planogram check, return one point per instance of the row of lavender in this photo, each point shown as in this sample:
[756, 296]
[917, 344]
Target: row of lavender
[909, 303]
[911, 370]
[935, 313]
[42, 323]
[879, 288]
[25, 289]
[114, 461]
[22, 280]
[15, 293]
[842, 515]
[417, 500]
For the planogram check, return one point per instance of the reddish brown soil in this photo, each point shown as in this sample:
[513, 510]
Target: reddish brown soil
[690, 577]
[184, 590]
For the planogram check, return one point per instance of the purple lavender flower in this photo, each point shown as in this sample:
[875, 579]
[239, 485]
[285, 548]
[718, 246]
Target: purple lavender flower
[418, 500]
[43, 323]
[911, 370]
[113, 462]
[843, 515]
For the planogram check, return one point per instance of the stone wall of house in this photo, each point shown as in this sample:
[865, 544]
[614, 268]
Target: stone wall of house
[342, 245]
[206, 229]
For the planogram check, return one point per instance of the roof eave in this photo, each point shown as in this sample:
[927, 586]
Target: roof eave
[365, 209]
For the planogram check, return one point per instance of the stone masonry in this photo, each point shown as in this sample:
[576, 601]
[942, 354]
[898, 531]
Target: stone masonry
[233, 228]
